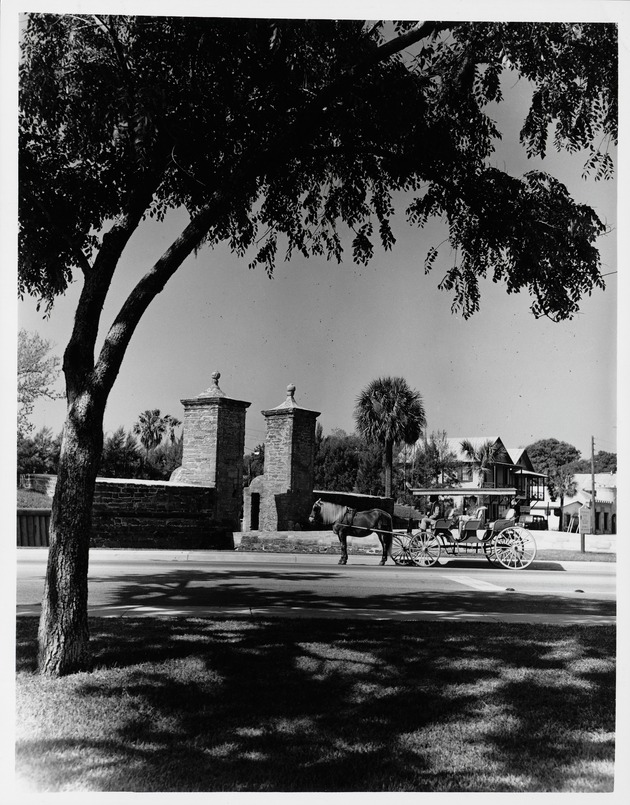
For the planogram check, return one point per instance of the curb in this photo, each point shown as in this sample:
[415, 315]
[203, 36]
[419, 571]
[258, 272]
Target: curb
[338, 613]
[259, 557]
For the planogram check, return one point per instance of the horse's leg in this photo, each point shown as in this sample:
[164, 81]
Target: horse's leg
[344, 547]
[388, 539]
[386, 545]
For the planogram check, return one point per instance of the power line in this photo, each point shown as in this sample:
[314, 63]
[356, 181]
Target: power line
[605, 441]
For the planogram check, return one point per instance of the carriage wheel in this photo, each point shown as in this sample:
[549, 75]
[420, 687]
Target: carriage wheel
[400, 549]
[425, 549]
[514, 547]
[488, 549]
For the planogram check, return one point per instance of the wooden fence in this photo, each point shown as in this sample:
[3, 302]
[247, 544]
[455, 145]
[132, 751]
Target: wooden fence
[32, 528]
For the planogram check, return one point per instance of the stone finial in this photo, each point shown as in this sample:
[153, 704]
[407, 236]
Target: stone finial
[290, 399]
[214, 390]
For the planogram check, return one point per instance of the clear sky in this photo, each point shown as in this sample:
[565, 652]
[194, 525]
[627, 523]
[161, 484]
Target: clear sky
[331, 329]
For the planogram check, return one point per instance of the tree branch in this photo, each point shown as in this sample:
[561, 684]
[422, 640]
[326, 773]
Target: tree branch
[79, 354]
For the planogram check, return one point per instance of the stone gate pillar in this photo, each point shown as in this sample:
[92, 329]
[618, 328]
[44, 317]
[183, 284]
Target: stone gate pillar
[289, 465]
[214, 443]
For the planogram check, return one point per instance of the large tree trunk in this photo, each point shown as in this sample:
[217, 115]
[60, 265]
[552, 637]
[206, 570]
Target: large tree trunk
[63, 626]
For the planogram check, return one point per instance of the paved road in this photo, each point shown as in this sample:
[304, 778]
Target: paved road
[170, 583]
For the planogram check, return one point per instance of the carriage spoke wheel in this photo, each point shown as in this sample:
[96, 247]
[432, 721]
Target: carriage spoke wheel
[425, 549]
[400, 549]
[514, 548]
[488, 549]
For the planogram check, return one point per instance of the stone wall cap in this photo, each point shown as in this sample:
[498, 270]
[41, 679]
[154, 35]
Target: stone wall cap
[289, 404]
[145, 482]
[213, 394]
[214, 390]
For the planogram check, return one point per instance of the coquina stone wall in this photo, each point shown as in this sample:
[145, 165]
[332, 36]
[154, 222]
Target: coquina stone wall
[149, 514]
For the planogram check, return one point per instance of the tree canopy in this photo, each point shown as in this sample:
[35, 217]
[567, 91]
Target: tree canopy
[152, 427]
[278, 132]
[548, 454]
[347, 463]
[434, 462]
[389, 412]
[604, 461]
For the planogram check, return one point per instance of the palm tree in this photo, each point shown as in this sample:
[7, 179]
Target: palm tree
[150, 427]
[561, 484]
[388, 412]
[481, 455]
[170, 423]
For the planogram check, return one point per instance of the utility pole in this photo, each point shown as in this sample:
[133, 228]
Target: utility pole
[592, 484]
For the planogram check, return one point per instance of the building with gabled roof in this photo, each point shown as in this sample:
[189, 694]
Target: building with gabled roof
[511, 472]
[511, 467]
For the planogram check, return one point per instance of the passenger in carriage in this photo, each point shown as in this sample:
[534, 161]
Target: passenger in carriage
[452, 512]
[436, 512]
[472, 512]
[514, 512]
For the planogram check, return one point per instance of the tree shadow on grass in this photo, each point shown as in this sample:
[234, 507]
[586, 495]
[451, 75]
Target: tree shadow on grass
[277, 705]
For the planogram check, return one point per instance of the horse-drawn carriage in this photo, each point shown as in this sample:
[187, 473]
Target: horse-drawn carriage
[505, 542]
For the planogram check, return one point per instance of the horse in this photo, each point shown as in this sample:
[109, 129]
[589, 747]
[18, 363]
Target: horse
[347, 522]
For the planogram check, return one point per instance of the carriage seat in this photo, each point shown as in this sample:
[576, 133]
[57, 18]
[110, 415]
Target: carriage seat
[444, 526]
[497, 526]
[470, 528]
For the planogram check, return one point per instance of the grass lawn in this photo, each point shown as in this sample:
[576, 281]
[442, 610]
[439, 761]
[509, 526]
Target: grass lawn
[552, 555]
[294, 705]
[30, 499]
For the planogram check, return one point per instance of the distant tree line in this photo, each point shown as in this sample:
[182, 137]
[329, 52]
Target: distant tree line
[548, 455]
[156, 454]
[349, 463]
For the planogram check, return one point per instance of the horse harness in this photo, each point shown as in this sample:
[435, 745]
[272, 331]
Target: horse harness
[344, 523]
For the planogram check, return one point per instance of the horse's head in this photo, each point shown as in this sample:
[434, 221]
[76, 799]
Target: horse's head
[316, 512]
